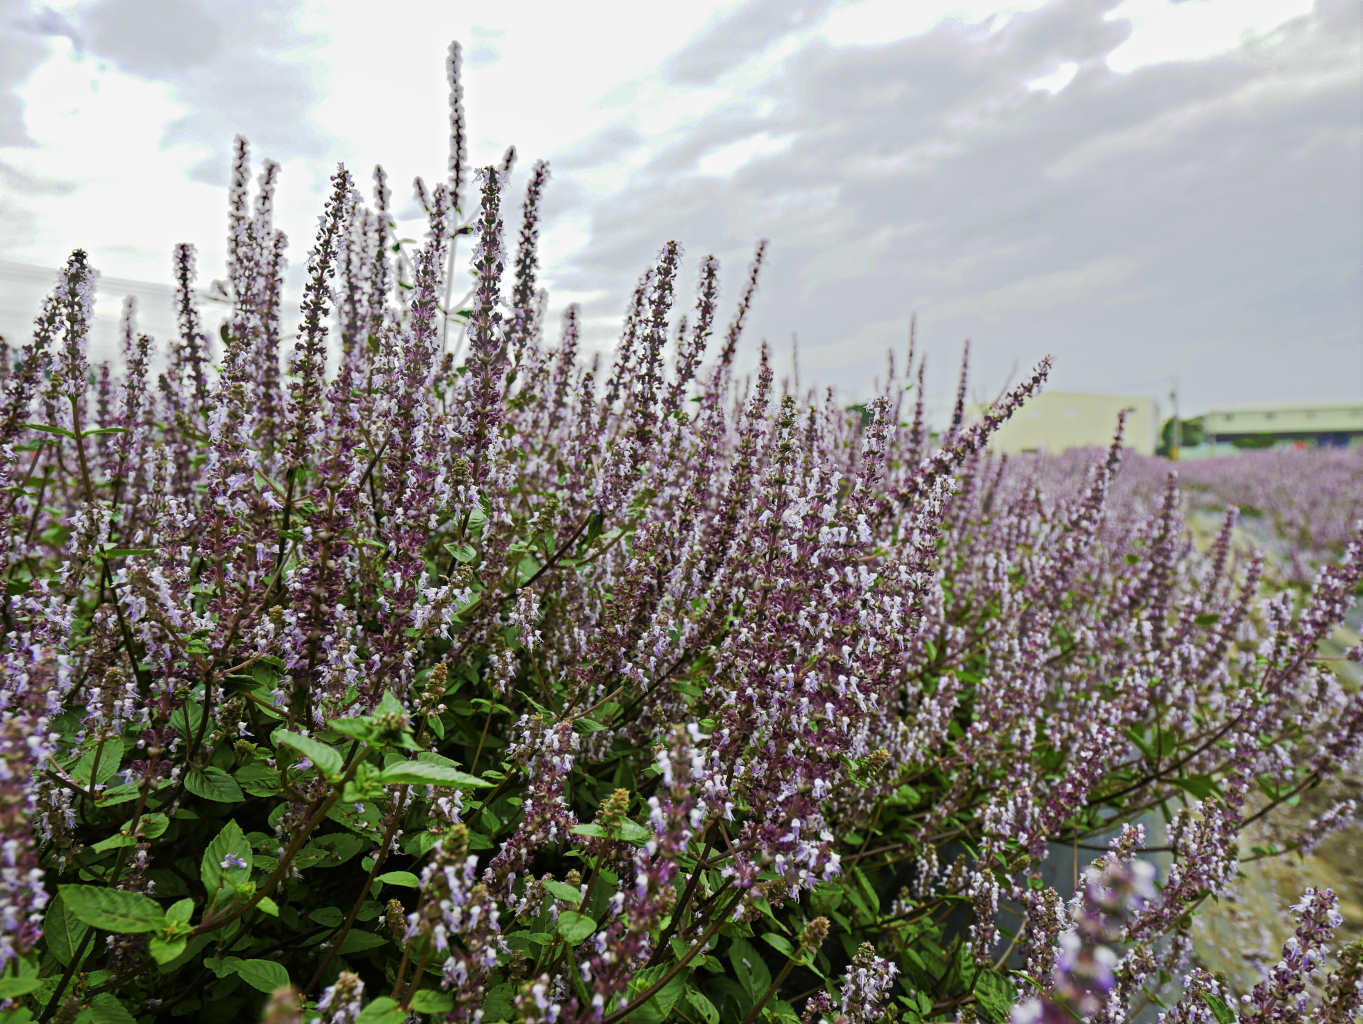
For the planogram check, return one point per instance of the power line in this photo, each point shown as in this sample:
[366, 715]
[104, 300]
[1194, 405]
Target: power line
[32, 273]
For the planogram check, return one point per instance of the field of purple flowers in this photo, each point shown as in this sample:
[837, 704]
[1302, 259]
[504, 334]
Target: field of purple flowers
[1304, 505]
[467, 682]
[1310, 499]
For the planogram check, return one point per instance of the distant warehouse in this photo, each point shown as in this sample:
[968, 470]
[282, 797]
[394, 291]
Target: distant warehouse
[1054, 421]
[1328, 424]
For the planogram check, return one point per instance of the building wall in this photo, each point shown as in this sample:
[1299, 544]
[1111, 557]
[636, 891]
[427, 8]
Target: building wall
[1056, 420]
[1288, 420]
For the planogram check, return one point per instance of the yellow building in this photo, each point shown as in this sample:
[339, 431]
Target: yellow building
[1054, 421]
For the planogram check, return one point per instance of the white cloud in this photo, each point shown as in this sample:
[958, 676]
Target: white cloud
[869, 22]
[1195, 29]
[726, 160]
[1055, 81]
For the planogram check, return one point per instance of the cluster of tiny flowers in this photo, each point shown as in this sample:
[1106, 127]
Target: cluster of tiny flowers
[283, 1007]
[25, 742]
[342, 1002]
[1083, 977]
[865, 988]
[1282, 994]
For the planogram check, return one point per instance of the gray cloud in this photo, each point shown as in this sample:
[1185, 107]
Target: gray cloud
[606, 146]
[224, 67]
[734, 38]
[1200, 219]
[157, 39]
[47, 22]
[17, 181]
[22, 50]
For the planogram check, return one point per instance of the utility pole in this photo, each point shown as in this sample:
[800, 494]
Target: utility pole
[1176, 431]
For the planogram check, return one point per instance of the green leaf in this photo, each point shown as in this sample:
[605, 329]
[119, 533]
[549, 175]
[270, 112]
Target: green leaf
[526, 568]
[181, 911]
[563, 890]
[355, 728]
[21, 984]
[327, 917]
[595, 524]
[780, 943]
[428, 1000]
[1201, 786]
[868, 891]
[231, 840]
[702, 1005]
[45, 429]
[574, 927]
[659, 1008]
[164, 950]
[106, 1009]
[113, 909]
[115, 795]
[149, 825]
[328, 760]
[261, 975]
[424, 773]
[629, 831]
[527, 941]
[258, 779]
[221, 965]
[214, 784]
[153, 826]
[358, 942]
[114, 842]
[190, 952]
[331, 850]
[126, 552]
[749, 968]
[464, 553]
[1137, 737]
[63, 931]
[109, 758]
[633, 832]
[1223, 1013]
[403, 878]
[994, 995]
[382, 1011]
[191, 713]
[497, 1003]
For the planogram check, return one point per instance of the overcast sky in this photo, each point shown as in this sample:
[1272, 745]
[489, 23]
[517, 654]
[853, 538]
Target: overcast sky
[1149, 190]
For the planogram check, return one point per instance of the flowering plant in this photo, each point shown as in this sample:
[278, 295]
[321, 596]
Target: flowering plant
[470, 683]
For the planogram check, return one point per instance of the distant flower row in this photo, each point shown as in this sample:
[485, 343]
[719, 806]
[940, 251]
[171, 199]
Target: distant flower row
[1305, 503]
